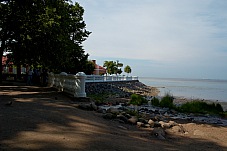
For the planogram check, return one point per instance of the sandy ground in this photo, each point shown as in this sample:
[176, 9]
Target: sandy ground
[43, 119]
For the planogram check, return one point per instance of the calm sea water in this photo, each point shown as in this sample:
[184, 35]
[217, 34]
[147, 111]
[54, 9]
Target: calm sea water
[208, 89]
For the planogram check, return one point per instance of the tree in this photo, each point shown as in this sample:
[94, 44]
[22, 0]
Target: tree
[46, 33]
[119, 65]
[89, 67]
[112, 67]
[5, 33]
[127, 69]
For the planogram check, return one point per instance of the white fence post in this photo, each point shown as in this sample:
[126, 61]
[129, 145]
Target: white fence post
[80, 85]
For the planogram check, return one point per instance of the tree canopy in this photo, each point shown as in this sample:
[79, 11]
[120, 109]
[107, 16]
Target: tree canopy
[44, 32]
[127, 69]
[113, 67]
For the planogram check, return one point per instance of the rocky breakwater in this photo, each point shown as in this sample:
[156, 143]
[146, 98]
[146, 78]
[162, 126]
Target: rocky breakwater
[121, 89]
[162, 122]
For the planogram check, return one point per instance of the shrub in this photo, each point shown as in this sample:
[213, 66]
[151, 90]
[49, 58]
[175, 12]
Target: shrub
[155, 101]
[98, 98]
[219, 108]
[137, 99]
[201, 107]
[167, 101]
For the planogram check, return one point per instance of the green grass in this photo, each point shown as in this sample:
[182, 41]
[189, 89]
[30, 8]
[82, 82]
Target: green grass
[99, 98]
[155, 101]
[197, 106]
[137, 99]
[167, 101]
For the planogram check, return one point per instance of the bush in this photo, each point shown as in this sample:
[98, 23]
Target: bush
[137, 99]
[155, 101]
[167, 101]
[201, 107]
[98, 98]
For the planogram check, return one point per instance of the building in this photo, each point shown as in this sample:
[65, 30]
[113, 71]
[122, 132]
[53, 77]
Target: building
[99, 70]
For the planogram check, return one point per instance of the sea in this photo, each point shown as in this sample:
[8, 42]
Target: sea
[207, 89]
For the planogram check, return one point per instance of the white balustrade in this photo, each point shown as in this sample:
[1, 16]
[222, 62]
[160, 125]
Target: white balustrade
[99, 78]
[75, 84]
[71, 84]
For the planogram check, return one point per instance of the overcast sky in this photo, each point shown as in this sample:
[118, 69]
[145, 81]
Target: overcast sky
[160, 38]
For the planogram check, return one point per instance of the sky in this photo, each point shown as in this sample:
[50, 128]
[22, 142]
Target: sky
[159, 38]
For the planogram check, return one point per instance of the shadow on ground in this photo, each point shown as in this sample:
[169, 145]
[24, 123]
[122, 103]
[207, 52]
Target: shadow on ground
[42, 119]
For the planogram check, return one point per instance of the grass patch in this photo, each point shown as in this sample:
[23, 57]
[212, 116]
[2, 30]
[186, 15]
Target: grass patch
[155, 101]
[201, 107]
[167, 101]
[99, 98]
[137, 99]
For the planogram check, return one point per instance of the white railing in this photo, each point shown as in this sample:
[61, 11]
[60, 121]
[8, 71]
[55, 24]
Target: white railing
[71, 84]
[75, 84]
[99, 78]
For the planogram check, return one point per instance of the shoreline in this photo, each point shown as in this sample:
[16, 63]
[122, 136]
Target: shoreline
[197, 89]
[125, 89]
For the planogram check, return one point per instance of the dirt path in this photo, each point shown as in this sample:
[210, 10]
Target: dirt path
[43, 119]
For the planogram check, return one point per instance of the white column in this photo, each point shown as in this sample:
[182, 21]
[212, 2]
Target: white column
[62, 80]
[80, 85]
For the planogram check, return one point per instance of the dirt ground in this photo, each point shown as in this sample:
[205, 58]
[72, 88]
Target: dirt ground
[43, 119]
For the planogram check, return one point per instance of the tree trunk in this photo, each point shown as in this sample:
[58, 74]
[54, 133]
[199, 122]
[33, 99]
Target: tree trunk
[1, 52]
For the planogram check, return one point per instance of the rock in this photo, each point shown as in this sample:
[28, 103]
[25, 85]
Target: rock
[94, 106]
[172, 123]
[142, 120]
[127, 115]
[100, 110]
[123, 118]
[157, 124]
[109, 116]
[158, 118]
[159, 133]
[133, 120]
[112, 110]
[140, 124]
[147, 125]
[164, 125]
[151, 123]
[166, 114]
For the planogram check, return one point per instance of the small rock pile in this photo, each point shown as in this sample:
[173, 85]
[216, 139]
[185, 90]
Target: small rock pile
[159, 124]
